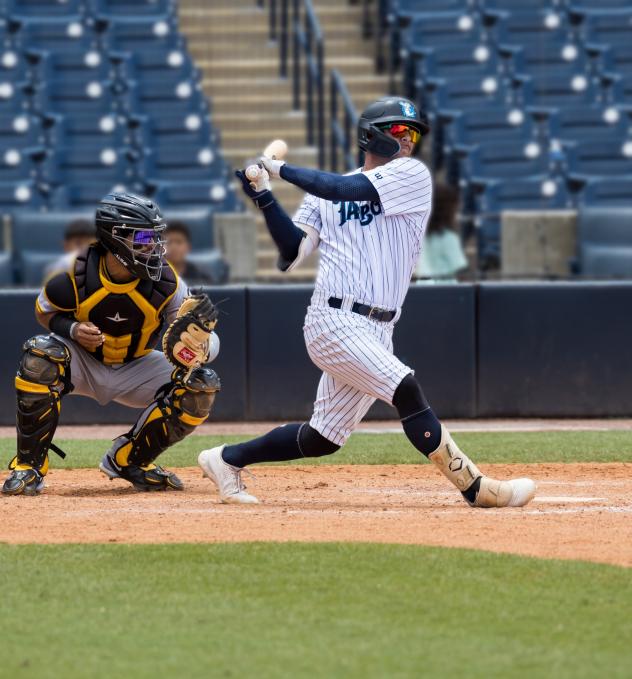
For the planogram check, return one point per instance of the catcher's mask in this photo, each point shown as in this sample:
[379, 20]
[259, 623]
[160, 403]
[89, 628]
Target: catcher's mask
[132, 228]
[382, 113]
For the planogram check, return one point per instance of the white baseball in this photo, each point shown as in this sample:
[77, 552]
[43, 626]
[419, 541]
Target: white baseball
[252, 172]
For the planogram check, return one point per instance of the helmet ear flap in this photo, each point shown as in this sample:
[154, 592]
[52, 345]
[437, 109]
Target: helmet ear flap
[381, 144]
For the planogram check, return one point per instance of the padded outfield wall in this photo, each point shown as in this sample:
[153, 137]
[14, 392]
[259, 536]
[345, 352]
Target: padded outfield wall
[479, 350]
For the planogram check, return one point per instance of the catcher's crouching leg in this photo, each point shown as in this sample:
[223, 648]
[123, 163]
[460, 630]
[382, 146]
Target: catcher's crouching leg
[179, 408]
[43, 377]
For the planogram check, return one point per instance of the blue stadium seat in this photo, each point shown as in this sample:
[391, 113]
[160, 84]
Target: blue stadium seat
[607, 29]
[604, 242]
[159, 97]
[199, 220]
[87, 195]
[458, 61]
[122, 9]
[529, 27]
[6, 269]
[17, 166]
[451, 97]
[14, 98]
[405, 10]
[87, 165]
[217, 193]
[76, 65]
[56, 34]
[591, 159]
[620, 91]
[581, 9]
[548, 58]
[617, 58]
[21, 131]
[88, 130]
[173, 129]
[183, 163]
[39, 9]
[95, 98]
[19, 194]
[555, 91]
[212, 264]
[441, 30]
[580, 123]
[174, 65]
[141, 35]
[493, 162]
[484, 125]
[517, 6]
[14, 67]
[606, 191]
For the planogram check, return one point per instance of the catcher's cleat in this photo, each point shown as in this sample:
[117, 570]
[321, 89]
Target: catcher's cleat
[25, 481]
[226, 477]
[150, 477]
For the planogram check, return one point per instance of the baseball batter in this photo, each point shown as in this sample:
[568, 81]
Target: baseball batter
[104, 316]
[369, 227]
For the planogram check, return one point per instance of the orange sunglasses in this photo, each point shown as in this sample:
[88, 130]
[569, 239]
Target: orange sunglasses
[399, 130]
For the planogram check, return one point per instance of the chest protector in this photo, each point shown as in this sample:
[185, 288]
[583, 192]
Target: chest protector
[130, 315]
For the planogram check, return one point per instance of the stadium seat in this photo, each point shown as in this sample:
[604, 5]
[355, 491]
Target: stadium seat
[21, 131]
[604, 242]
[199, 220]
[620, 91]
[76, 65]
[218, 194]
[56, 34]
[139, 35]
[428, 31]
[451, 97]
[14, 98]
[617, 59]
[212, 264]
[17, 166]
[591, 159]
[87, 195]
[122, 9]
[570, 125]
[158, 97]
[89, 130]
[606, 191]
[544, 59]
[19, 194]
[581, 9]
[524, 194]
[173, 129]
[95, 98]
[173, 65]
[607, 29]
[185, 162]
[40, 9]
[531, 27]
[548, 92]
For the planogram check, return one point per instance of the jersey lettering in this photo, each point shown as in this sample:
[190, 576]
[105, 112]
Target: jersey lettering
[364, 212]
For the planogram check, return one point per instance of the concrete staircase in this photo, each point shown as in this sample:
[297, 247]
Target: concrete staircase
[251, 104]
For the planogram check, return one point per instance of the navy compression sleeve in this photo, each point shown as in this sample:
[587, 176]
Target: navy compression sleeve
[331, 186]
[285, 234]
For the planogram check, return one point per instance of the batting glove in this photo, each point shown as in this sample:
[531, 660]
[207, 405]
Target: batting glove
[261, 198]
[272, 166]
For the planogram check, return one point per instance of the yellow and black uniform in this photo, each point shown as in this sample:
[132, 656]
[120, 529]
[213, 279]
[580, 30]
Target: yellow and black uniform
[130, 315]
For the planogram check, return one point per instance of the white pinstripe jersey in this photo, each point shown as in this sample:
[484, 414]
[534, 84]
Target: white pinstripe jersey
[369, 250]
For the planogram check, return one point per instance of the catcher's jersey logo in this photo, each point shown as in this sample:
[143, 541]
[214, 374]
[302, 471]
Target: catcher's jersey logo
[117, 318]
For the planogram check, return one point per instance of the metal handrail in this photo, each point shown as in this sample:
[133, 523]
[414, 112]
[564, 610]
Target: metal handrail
[342, 134]
[302, 30]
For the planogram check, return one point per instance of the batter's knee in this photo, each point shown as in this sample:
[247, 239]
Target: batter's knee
[313, 444]
[409, 397]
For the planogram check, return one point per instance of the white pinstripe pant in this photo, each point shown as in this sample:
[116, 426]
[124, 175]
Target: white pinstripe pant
[358, 364]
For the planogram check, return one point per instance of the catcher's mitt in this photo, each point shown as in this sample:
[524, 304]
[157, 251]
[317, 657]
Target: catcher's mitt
[186, 341]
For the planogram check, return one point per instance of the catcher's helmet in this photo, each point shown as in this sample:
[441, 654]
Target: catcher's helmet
[131, 228]
[384, 111]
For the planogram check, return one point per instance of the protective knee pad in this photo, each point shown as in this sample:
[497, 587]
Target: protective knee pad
[178, 409]
[409, 397]
[43, 377]
[313, 444]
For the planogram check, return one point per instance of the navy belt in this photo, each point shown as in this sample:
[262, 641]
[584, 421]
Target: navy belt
[376, 313]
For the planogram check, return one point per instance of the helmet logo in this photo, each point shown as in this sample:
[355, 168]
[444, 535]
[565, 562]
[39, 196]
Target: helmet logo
[408, 109]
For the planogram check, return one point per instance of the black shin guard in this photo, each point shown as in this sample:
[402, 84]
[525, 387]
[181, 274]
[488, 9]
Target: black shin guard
[178, 409]
[42, 379]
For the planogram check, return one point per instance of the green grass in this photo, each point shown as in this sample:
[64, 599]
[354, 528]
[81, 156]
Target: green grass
[564, 446]
[308, 610]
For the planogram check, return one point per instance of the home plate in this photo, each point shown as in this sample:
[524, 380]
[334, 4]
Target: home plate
[569, 498]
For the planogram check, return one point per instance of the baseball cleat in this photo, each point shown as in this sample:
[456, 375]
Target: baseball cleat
[151, 477]
[513, 493]
[226, 477]
[23, 482]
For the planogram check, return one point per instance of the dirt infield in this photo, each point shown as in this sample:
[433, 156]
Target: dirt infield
[582, 511]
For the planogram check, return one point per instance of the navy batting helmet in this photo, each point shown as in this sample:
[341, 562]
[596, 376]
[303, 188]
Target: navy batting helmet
[388, 111]
[131, 228]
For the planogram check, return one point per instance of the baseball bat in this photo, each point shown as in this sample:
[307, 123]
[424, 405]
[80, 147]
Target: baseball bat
[276, 150]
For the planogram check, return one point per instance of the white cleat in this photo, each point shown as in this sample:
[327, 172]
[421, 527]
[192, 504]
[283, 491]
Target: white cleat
[513, 493]
[226, 477]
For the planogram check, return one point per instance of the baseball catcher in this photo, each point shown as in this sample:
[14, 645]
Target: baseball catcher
[104, 316]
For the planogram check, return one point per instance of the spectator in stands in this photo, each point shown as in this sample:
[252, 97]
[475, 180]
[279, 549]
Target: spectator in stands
[178, 246]
[78, 234]
[442, 256]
